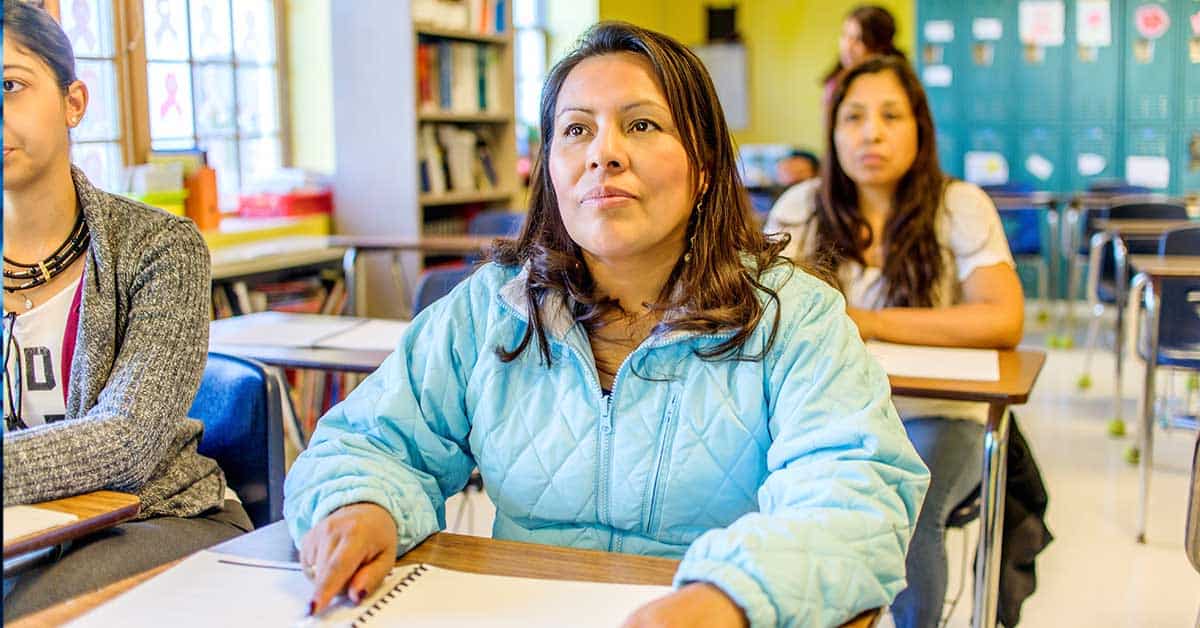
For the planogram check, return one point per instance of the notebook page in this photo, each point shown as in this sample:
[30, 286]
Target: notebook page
[373, 335]
[22, 520]
[212, 589]
[936, 362]
[444, 598]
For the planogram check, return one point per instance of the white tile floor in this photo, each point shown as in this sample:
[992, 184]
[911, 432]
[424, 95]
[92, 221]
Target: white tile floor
[1093, 574]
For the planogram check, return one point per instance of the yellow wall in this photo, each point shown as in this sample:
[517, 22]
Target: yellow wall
[789, 46]
[310, 84]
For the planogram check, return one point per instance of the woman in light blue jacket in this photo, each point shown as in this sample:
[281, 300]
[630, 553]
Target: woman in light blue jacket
[639, 372]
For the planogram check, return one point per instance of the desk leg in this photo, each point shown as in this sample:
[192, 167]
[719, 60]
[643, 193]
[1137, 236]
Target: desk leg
[991, 520]
[350, 276]
[1120, 258]
[1146, 431]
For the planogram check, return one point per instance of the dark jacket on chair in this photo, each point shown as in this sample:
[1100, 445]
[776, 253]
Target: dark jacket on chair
[1025, 531]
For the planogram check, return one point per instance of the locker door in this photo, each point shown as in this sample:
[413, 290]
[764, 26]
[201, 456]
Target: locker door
[988, 64]
[938, 60]
[1151, 61]
[1187, 163]
[1148, 150]
[949, 152]
[1189, 56]
[1039, 158]
[1092, 155]
[1093, 70]
[1039, 86]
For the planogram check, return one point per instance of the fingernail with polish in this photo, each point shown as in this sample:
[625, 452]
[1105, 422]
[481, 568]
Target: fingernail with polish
[312, 607]
[360, 595]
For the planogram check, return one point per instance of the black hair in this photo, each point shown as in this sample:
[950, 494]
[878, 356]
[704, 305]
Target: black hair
[812, 158]
[34, 30]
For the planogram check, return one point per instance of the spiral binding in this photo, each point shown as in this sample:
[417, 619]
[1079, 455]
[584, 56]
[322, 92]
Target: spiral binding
[387, 598]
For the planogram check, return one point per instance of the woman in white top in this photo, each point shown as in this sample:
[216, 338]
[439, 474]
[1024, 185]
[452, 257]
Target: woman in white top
[922, 260]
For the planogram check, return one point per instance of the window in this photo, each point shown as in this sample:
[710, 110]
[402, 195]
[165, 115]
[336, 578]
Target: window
[96, 142]
[212, 83]
[529, 20]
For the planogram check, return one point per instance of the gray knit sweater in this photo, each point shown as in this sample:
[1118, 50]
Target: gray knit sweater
[139, 354]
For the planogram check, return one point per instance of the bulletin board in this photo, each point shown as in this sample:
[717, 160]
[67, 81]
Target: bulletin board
[1055, 94]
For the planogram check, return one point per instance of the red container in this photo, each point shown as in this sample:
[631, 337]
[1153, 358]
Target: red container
[290, 204]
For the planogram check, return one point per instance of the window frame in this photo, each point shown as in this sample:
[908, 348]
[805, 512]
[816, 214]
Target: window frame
[130, 69]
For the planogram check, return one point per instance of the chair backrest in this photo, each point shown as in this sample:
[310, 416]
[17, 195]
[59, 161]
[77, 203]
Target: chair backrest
[436, 283]
[1023, 228]
[1179, 314]
[1180, 241]
[496, 223]
[240, 405]
[1191, 537]
[1115, 186]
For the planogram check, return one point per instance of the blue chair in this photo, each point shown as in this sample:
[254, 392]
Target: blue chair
[1115, 187]
[496, 223]
[436, 283]
[1107, 265]
[240, 405]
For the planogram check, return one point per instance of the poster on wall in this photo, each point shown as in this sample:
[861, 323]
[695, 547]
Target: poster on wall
[1042, 23]
[1148, 171]
[727, 65]
[1152, 21]
[986, 168]
[1093, 23]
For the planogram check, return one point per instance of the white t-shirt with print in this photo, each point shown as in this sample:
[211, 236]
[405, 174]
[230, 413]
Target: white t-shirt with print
[971, 234]
[39, 333]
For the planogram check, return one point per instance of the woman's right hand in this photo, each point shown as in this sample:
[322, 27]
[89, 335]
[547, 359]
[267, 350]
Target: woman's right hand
[350, 551]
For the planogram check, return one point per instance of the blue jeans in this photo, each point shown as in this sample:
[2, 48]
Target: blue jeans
[953, 451]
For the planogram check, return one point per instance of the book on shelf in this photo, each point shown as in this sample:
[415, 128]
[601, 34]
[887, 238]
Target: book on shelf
[455, 158]
[472, 16]
[457, 77]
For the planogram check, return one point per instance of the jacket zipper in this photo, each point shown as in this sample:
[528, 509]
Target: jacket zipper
[668, 437]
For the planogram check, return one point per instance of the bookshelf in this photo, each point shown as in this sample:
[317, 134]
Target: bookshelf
[424, 124]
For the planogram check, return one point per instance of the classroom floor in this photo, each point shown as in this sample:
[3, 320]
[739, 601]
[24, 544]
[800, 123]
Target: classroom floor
[1093, 574]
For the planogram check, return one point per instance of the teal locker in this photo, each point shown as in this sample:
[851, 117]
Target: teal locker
[1091, 155]
[1093, 73]
[988, 64]
[1149, 141]
[1187, 151]
[1151, 63]
[1189, 57]
[1039, 157]
[1038, 81]
[944, 100]
[949, 153]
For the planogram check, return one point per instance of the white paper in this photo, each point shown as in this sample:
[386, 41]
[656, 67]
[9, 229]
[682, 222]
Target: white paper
[937, 76]
[986, 168]
[373, 335]
[1093, 23]
[211, 589]
[1039, 166]
[939, 31]
[1090, 164]
[1148, 171]
[987, 28]
[936, 362]
[22, 520]
[1042, 22]
[278, 329]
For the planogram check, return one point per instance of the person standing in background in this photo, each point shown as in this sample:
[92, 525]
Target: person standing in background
[867, 31]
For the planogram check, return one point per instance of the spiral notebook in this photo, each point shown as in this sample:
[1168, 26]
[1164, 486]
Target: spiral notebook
[213, 589]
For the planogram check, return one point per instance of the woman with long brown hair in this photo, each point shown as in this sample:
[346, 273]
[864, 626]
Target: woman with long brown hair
[639, 372]
[867, 31]
[922, 260]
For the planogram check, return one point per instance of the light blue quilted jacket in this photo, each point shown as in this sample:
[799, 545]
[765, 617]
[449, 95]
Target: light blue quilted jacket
[788, 482]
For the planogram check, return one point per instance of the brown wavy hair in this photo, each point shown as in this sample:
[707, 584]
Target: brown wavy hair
[717, 290]
[878, 29]
[912, 253]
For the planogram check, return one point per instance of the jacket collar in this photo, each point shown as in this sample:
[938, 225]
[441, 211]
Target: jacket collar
[557, 308]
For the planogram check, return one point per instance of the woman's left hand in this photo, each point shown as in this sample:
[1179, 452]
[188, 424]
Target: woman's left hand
[698, 604]
[865, 319]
